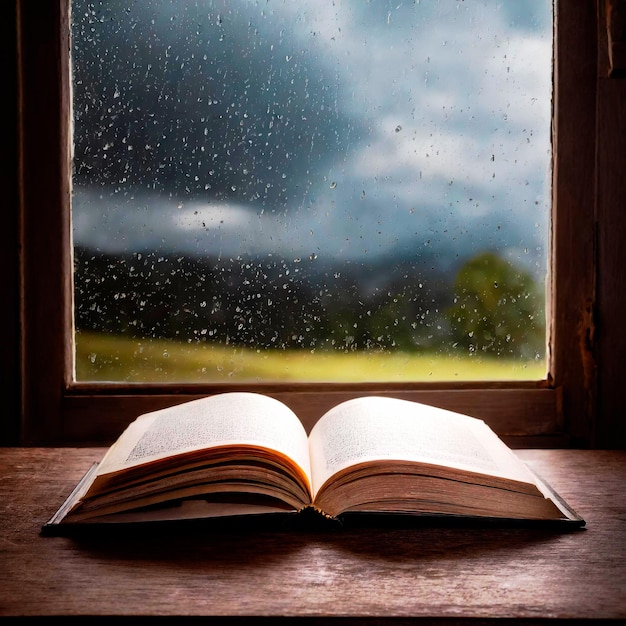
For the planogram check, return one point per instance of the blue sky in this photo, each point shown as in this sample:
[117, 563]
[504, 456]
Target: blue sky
[360, 129]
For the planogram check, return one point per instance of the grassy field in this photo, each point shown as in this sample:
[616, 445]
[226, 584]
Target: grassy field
[115, 358]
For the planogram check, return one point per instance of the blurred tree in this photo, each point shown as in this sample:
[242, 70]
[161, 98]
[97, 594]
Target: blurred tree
[498, 308]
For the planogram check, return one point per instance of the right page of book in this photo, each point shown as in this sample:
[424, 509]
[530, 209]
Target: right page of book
[380, 428]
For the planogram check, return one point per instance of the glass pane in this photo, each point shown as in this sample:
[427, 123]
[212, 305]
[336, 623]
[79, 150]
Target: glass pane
[306, 190]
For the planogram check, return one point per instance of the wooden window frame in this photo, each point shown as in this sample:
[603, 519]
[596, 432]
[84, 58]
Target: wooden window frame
[53, 409]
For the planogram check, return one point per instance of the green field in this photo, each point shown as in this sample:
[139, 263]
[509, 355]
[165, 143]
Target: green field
[116, 358]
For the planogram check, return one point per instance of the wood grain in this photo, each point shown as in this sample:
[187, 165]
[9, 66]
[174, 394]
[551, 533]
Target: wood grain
[376, 574]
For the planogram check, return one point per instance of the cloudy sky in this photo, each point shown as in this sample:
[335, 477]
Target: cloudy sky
[313, 128]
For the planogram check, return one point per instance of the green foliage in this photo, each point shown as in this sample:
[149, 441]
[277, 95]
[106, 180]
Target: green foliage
[267, 304]
[498, 308]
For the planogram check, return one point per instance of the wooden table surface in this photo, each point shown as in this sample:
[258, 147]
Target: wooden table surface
[422, 573]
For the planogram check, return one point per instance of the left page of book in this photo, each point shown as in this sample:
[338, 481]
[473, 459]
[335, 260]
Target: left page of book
[234, 425]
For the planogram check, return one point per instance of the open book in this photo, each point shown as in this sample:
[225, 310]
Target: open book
[239, 453]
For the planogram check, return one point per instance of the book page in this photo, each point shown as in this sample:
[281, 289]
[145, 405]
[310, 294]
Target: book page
[377, 428]
[225, 419]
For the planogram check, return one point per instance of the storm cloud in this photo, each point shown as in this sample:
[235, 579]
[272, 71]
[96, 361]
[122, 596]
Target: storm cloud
[343, 130]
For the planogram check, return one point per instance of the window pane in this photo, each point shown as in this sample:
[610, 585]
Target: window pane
[311, 190]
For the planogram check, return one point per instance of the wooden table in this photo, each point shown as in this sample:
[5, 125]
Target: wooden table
[423, 573]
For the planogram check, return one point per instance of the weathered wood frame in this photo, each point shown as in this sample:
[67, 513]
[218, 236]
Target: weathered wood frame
[560, 410]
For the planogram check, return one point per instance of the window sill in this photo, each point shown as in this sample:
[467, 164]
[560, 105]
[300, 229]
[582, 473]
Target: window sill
[423, 573]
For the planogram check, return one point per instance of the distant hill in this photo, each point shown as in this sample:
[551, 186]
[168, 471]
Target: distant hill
[267, 302]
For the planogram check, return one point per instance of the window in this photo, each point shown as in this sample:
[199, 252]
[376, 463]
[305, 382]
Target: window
[268, 192]
[56, 408]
